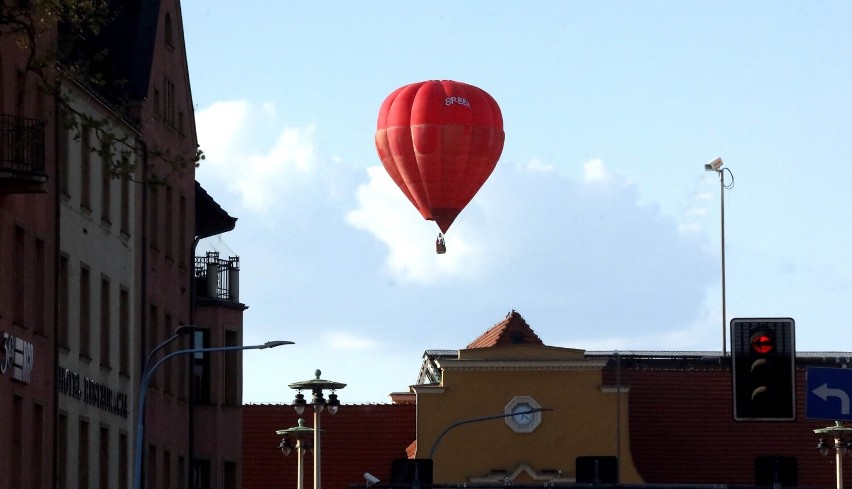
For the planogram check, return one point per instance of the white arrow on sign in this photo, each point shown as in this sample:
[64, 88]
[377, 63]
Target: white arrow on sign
[824, 392]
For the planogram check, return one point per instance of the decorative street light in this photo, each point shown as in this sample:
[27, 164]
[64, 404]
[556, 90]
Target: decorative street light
[842, 436]
[301, 434]
[148, 372]
[716, 166]
[317, 386]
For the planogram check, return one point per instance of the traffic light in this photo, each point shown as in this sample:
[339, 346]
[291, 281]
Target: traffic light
[764, 353]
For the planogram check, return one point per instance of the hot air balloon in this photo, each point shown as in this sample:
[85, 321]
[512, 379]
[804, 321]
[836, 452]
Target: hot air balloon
[439, 141]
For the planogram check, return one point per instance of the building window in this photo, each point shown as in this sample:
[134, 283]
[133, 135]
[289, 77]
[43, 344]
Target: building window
[85, 168]
[19, 279]
[106, 326]
[229, 475]
[168, 371]
[103, 459]
[201, 474]
[123, 460]
[83, 454]
[153, 326]
[17, 441]
[182, 246]
[125, 204]
[170, 103]
[169, 218]
[201, 367]
[62, 452]
[38, 446]
[106, 183]
[124, 332]
[151, 474]
[40, 279]
[153, 218]
[63, 285]
[85, 312]
[168, 30]
[63, 150]
[232, 371]
[167, 470]
[157, 110]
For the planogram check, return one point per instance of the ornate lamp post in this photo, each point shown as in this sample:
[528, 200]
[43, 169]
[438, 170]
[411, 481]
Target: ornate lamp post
[841, 434]
[301, 434]
[317, 386]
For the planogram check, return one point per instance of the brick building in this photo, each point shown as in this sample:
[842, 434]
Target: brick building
[666, 417]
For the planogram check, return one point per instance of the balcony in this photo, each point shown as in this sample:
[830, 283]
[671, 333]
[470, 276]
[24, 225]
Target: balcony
[216, 278]
[21, 155]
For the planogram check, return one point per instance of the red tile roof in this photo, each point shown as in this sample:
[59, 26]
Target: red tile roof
[358, 439]
[511, 331]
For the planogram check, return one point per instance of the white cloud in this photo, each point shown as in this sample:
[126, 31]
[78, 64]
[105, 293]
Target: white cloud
[384, 211]
[228, 133]
[536, 165]
[594, 171]
[343, 340]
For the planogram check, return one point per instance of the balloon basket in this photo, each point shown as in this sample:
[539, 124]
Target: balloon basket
[440, 245]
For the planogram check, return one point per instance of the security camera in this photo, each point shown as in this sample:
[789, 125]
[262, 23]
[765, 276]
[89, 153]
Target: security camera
[714, 165]
[371, 479]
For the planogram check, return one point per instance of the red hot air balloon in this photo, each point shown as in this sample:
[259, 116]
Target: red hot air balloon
[439, 141]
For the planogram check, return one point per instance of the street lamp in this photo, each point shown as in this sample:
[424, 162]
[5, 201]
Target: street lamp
[317, 386]
[841, 434]
[716, 166]
[148, 372]
[301, 434]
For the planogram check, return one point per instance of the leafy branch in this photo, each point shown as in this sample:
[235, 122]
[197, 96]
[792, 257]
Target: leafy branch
[61, 39]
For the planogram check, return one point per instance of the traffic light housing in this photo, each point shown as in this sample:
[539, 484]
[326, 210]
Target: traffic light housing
[764, 380]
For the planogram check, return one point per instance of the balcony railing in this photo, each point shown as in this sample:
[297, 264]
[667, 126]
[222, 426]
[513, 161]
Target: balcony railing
[21, 155]
[217, 278]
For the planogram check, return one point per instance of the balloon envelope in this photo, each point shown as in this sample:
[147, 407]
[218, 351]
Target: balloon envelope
[439, 141]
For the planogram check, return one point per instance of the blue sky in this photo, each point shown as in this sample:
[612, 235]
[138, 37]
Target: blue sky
[599, 224]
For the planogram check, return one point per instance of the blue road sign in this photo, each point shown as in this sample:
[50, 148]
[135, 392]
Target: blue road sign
[828, 392]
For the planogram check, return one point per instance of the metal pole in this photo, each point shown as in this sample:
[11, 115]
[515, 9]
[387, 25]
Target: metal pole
[317, 471]
[300, 470]
[143, 390]
[724, 314]
[838, 454]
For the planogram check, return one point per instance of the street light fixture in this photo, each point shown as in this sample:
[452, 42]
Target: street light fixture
[148, 372]
[842, 436]
[301, 434]
[717, 166]
[317, 386]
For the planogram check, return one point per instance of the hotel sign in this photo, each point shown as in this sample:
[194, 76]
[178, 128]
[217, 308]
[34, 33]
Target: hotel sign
[16, 358]
[91, 392]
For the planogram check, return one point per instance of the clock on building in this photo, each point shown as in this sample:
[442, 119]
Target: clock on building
[520, 417]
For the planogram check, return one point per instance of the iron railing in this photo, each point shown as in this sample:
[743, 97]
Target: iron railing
[21, 144]
[217, 278]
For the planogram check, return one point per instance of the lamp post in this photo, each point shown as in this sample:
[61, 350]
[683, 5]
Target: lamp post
[301, 434]
[317, 386]
[148, 372]
[716, 166]
[841, 434]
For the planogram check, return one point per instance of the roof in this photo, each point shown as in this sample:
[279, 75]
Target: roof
[210, 218]
[511, 331]
[359, 438]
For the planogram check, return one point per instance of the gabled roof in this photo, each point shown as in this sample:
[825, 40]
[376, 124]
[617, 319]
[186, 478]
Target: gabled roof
[511, 331]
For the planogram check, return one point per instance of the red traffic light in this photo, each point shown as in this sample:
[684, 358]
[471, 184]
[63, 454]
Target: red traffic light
[762, 343]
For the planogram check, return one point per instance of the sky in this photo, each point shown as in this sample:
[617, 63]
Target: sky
[599, 224]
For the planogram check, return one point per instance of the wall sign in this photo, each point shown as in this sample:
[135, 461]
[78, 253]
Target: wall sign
[91, 392]
[16, 357]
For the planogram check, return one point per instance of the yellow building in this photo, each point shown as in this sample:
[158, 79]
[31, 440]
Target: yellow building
[509, 370]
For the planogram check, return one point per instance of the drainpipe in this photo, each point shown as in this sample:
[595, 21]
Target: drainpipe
[193, 303]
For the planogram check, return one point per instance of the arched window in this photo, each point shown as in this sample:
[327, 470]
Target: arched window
[168, 30]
